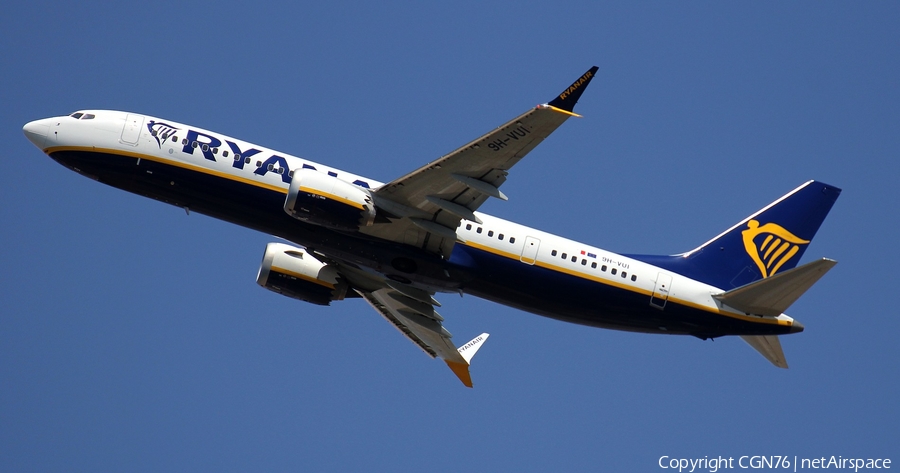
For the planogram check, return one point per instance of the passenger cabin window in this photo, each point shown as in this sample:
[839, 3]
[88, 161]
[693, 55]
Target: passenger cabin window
[593, 265]
[490, 233]
[634, 277]
[583, 262]
[574, 259]
[468, 226]
[512, 239]
[603, 268]
[564, 256]
[479, 230]
[500, 237]
[553, 253]
[613, 271]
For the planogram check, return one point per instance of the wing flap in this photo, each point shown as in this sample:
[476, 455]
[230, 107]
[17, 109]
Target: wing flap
[773, 295]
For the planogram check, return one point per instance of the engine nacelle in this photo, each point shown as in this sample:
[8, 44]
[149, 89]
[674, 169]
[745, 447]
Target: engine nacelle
[292, 272]
[325, 200]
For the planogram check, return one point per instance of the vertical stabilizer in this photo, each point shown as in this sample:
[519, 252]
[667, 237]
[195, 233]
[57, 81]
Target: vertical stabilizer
[770, 241]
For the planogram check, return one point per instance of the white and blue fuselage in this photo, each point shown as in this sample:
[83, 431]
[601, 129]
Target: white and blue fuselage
[397, 244]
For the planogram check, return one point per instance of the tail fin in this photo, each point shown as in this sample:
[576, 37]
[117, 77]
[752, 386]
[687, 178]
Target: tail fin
[771, 240]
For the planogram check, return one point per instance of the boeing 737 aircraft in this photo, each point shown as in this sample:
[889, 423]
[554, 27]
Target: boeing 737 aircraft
[398, 244]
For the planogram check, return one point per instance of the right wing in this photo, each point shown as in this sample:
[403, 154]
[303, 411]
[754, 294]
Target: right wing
[424, 207]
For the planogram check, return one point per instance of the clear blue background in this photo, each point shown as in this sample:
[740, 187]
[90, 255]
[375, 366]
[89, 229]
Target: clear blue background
[134, 338]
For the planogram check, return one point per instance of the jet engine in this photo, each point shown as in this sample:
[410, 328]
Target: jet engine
[325, 200]
[293, 272]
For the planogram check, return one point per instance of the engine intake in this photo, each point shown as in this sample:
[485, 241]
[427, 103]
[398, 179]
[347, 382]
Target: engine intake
[325, 200]
[293, 272]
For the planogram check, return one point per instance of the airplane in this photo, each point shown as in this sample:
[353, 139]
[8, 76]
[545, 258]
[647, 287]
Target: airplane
[398, 244]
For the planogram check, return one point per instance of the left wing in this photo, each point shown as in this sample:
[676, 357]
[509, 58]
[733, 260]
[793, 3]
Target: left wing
[424, 207]
[414, 316]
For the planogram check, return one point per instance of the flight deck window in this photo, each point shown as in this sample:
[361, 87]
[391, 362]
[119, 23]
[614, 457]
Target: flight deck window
[512, 239]
[87, 116]
[76, 115]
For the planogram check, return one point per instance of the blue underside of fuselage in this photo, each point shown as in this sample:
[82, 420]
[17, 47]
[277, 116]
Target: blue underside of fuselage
[478, 272]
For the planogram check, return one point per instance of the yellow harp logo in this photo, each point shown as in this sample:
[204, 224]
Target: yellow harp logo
[778, 246]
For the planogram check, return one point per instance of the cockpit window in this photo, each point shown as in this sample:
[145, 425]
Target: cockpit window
[76, 115]
[87, 116]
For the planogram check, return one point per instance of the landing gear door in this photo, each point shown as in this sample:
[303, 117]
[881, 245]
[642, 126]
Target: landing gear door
[131, 132]
[661, 291]
[529, 252]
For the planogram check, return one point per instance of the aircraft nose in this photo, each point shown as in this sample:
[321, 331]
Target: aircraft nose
[796, 327]
[37, 132]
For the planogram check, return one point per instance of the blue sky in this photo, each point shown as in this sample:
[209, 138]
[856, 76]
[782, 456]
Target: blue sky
[134, 338]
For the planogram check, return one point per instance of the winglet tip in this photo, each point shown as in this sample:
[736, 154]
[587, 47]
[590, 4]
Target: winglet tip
[568, 98]
[467, 351]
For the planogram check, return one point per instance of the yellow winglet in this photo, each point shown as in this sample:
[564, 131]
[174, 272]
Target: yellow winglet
[467, 351]
[461, 371]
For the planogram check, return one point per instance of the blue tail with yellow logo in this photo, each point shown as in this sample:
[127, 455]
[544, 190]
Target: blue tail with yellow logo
[771, 240]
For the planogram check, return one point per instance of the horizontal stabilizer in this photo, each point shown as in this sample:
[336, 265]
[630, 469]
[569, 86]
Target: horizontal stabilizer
[768, 346]
[773, 295]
